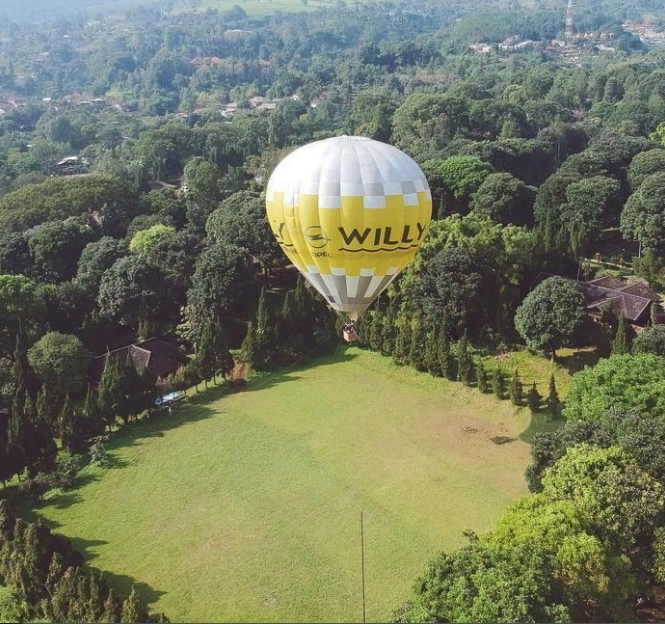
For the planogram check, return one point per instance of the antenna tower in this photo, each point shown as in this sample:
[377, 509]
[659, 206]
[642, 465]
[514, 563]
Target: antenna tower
[570, 26]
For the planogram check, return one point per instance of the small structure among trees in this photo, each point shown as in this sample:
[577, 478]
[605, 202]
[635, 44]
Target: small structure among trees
[158, 356]
[632, 299]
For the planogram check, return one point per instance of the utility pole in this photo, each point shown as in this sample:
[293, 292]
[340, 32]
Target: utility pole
[362, 559]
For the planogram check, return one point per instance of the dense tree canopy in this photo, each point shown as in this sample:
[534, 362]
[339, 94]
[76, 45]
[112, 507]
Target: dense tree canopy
[622, 381]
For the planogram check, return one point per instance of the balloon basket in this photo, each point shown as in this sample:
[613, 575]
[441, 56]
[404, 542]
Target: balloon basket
[350, 334]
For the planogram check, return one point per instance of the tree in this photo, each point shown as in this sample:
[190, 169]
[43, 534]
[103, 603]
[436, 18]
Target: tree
[515, 390]
[620, 343]
[553, 315]
[96, 258]
[388, 344]
[553, 399]
[464, 174]
[110, 390]
[444, 353]
[485, 583]
[418, 337]
[650, 340]
[241, 220]
[145, 242]
[403, 341]
[130, 284]
[533, 399]
[505, 199]
[431, 354]
[643, 165]
[376, 333]
[427, 121]
[643, 217]
[61, 362]
[498, 382]
[223, 285]
[481, 376]
[605, 483]
[464, 362]
[250, 352]
[56, 248]
[623, 382]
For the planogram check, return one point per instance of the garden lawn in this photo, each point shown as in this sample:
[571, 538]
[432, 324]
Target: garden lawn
[246, 506]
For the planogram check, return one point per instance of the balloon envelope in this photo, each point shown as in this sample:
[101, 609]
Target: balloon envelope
[350, 213]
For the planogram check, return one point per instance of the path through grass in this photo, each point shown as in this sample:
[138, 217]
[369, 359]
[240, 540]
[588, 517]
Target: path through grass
[246, 507]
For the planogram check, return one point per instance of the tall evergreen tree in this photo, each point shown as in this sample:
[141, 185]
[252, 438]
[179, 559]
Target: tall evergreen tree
[110, 390]
[464, 363]
[431, 352]
[250, 346]
[620, 342]
[516, 390]
[66, 424]
[403, 342]
[444, 353]
[481, 376]
[205, 355]
[553, 399]
[534, 399]
[376, 333]
[224, 362]
[416, 355]
[498, 383]
[364, 328]
[388, 335]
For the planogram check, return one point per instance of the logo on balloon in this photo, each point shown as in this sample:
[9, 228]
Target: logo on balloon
[316, 237]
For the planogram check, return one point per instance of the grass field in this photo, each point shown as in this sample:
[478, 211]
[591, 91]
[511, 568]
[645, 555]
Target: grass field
[245, 507]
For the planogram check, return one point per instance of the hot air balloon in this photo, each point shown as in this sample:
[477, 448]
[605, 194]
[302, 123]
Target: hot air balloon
[350, 213]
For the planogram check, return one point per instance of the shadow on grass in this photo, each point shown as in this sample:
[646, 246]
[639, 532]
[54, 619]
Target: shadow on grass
[540, 422]
[575, 362]
[123, 584]
[84, 546]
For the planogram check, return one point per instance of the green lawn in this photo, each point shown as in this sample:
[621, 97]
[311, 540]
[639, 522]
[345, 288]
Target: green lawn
[246, 507]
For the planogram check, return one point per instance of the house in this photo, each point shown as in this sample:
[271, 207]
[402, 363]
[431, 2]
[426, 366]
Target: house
[160, 357]
[633, 299]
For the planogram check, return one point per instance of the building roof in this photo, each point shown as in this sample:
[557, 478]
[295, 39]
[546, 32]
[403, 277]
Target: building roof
[161, 358]
[629, 299]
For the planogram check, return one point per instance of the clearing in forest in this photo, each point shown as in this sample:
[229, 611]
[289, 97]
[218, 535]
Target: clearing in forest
[245, 506]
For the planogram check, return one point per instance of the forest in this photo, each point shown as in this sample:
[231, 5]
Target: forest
[135, 151]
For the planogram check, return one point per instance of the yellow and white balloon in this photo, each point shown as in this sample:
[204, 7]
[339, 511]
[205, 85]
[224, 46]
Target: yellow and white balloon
[350, 213]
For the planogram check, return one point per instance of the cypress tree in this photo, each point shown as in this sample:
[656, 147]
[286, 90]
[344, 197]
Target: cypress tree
[498, 382]
[481, 376]
[553, 399]
[110, 388]
[43, 407]
[250, 346]
[224, 362]
[417, 343]
[403, 342]
[620, 343]
[653, 313]
[388, 334]
[516, 390]
[431, 352]
[464, 360]
[287, 320]
[533, 399]
[67, 430]
[444, 354]
[205, 356]
[376, 332]
[364, 328]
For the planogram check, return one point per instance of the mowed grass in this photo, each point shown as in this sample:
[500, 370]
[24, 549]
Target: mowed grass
[246, 506]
